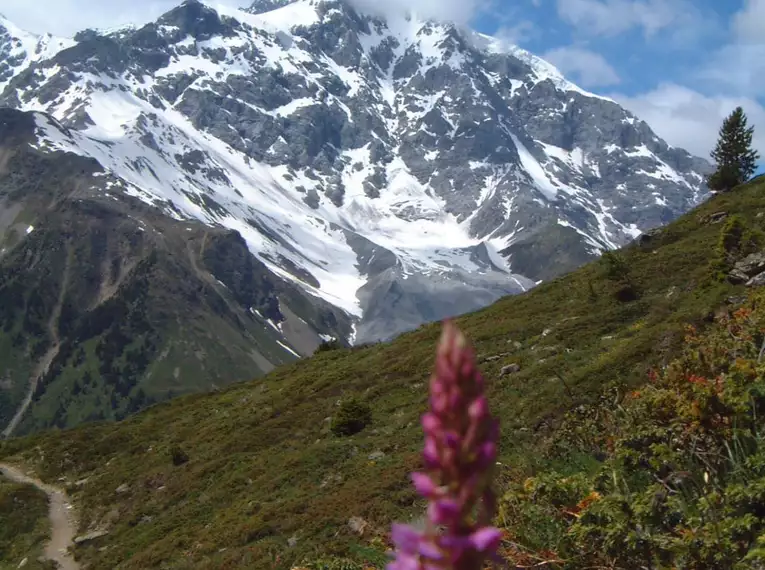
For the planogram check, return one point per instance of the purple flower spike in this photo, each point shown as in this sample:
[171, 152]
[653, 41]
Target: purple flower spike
[460, 449]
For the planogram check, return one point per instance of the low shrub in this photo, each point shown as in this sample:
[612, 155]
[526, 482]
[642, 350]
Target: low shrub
[352, 417]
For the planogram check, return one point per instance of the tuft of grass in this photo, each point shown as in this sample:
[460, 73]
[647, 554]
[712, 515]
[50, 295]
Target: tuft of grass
[267, 484]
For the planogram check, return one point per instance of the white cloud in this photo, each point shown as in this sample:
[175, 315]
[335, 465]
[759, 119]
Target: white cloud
[614, 17]
[688, 119]
[587, 67]
[66, 17]
[459, 11]
[516, 33]
[732, 75]
[739, 66]
[749, 23]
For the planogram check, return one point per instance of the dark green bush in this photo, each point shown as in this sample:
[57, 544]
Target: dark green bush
[352, 417]
[329, 345]
[178, 455]
[617, 270]
[616, 267]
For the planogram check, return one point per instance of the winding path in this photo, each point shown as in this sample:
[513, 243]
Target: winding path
[61, 515]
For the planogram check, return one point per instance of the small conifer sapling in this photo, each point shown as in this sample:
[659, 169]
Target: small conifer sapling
[734, 156]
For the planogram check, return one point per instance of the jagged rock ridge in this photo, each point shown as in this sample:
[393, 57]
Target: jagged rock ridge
[402, 170]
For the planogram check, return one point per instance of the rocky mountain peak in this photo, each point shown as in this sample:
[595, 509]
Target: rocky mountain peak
[19, 49]
[262, 6]
[402, 170]
[196, 20]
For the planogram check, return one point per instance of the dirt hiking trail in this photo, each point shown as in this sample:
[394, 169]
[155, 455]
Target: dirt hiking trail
[60, 513]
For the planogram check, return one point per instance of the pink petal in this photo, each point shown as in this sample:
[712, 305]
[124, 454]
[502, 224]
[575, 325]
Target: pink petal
[486, 540]
[487, 454]
[431, 551]
[479, 409]
[424, 484]
[430, 454]
[430, 423]
[439, 403]
[443, 511]
[452, 439]
[406, 538]
[404, 562]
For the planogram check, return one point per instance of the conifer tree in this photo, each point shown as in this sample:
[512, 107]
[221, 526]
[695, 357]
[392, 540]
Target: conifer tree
[736, 160]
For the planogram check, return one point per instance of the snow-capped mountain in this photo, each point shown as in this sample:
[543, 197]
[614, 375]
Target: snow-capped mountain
[400, 169]
[19, 49]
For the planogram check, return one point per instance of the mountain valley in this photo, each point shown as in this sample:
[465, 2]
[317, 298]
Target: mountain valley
[255, 477]
[235, 188]
[228, 238]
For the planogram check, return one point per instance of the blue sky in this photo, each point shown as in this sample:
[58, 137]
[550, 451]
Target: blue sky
[681, 65]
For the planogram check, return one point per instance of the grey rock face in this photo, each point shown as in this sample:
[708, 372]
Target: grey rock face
[343, 144]
[751, 264]
[510, 369]
[10, 59]
[756, 281]
[263, 6]
[20, 49]
[750, 270]
[395, 302]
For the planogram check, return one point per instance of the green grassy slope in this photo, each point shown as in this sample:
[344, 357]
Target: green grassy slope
[266, 484]
[24, 525]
